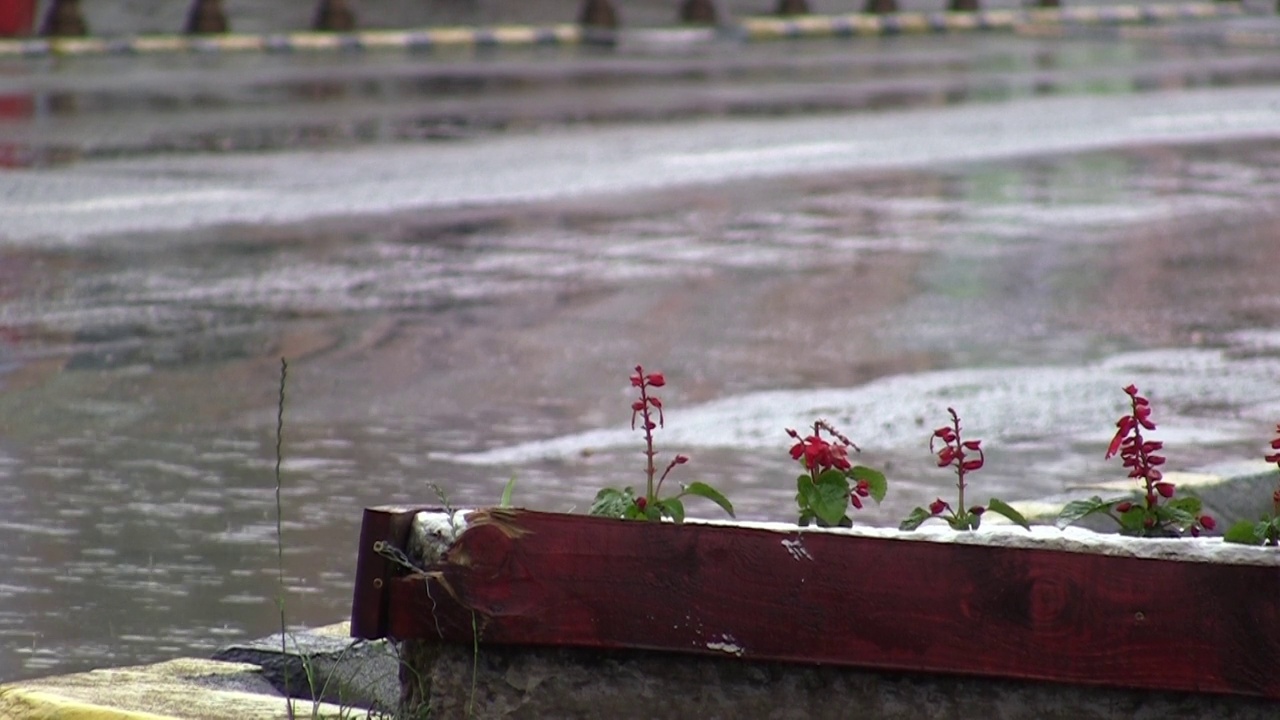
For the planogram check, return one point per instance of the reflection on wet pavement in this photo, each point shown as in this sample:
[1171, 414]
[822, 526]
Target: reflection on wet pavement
[114, 107]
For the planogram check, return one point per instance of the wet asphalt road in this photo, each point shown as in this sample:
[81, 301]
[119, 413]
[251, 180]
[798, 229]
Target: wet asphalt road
[1017, 227]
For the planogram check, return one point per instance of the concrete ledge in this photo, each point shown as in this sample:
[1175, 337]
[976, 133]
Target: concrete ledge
[182, 689]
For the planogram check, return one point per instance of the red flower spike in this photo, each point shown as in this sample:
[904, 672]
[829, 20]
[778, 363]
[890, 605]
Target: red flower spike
[1207, 522]
[1165, 489]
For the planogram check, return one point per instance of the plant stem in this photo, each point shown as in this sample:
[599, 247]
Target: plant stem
[284, 650]
[650, 469]
[955, 419]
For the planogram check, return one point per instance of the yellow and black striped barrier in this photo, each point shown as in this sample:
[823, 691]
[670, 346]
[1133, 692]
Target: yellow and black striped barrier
[1044, 21]
[412, 40]
[861, 24]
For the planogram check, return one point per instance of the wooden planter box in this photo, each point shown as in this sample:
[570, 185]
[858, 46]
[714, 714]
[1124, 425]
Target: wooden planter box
[1172, 615]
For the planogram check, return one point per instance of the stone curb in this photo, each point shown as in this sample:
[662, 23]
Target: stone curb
[354, 677]
[181, 689]
[747, 29]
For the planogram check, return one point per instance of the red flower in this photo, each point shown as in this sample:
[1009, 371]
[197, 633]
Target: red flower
[1124, 507]
[938, 506]
[680, 460]
[977, 510]
[863, 488]
[641, 502]
[1207, 522]
[655, 379]
[855, 501]
[1165, 489]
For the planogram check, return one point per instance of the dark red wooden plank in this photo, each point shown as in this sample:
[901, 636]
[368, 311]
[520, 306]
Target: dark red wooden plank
[374, 572]
[870, 602]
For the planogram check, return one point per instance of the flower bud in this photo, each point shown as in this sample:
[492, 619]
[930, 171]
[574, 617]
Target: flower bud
[1165, 489]
[1124, 507]
[1207, 522]
[855, 501]
[641, 502]
[977, 510]
[655, 379]
[938, 506]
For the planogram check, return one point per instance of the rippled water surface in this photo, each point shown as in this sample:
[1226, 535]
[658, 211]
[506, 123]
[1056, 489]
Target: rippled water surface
[139, 373]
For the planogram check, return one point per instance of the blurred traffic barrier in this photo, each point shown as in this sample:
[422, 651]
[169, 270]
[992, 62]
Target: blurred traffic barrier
[334, 26]
[16, 16]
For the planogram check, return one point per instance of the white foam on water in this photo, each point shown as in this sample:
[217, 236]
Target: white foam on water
[1000, 405]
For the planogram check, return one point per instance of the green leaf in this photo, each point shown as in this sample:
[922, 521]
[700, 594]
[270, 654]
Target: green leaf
[672, 508]
[1131, 522]
[1247, 532]
[1188, 504]
[915, 519]
[506, 493]
[704, 490]
[1169, 514]
[1077, 510]
[614, 503]
[877, 485]
[964, 521]
[996, 505]
[831, 497]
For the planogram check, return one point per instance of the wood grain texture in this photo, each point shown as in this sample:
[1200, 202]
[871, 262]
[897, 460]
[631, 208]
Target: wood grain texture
[865, 602]
[374, 573]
